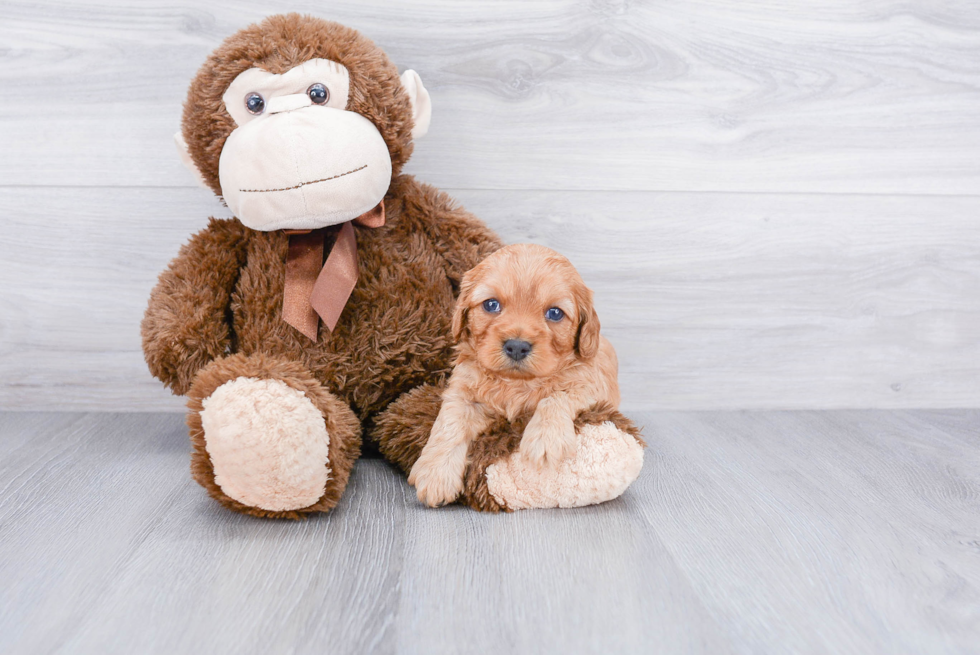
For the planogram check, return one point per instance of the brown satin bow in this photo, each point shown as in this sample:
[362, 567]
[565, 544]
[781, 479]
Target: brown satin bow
[315, 289]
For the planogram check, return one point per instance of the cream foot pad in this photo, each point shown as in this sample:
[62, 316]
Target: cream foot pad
[267, 443]
[606, 463]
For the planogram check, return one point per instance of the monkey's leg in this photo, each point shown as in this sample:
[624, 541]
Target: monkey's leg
[269, 440]
[607, 459]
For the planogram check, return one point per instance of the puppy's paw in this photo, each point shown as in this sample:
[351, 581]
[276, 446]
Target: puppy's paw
[435, 483]
[548, 440]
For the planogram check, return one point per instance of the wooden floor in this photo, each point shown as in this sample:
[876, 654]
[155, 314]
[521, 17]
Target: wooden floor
[750, 532]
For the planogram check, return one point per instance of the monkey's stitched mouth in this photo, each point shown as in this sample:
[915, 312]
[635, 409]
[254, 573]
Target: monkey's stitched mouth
[302, 184]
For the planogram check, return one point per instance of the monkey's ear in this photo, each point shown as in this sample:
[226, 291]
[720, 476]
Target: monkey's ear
[421, 103]
[187, 161]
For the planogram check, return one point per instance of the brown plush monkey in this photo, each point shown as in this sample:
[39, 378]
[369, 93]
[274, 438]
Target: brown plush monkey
[323, 309]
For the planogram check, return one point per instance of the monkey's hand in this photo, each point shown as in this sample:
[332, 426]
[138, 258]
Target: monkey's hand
[185, 324]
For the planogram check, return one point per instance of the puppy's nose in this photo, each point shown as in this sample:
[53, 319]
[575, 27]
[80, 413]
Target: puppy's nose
[517, 349]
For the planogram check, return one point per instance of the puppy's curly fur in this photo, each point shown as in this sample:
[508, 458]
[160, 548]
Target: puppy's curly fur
[529, 343]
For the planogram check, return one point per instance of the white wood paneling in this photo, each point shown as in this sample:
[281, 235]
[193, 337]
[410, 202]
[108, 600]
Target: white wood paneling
[712, 300]
[830, 96]
[777, 204]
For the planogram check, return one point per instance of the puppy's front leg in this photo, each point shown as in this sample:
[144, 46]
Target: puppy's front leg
[549, 436]
[438, 474]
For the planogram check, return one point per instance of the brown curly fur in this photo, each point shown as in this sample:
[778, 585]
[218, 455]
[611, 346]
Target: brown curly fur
[223, 294]
[406, 425]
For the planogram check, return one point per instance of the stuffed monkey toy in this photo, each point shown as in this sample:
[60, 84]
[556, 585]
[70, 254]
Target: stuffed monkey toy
[320, 315]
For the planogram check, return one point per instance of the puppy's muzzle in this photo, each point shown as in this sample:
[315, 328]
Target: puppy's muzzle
[516, 349]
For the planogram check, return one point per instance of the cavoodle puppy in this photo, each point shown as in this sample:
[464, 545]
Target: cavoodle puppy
[528, 341]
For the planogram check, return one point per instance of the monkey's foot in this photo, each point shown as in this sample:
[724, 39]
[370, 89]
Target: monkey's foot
[268, 438]
[606, 461]
[268, 444]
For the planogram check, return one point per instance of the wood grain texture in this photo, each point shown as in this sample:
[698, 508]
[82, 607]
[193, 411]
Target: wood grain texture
[776, 205]
[747, 532]
[712, 300]
[103, 532]
[878, 96]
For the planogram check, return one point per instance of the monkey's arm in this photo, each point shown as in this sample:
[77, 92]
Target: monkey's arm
[457, 235]
[185, 325]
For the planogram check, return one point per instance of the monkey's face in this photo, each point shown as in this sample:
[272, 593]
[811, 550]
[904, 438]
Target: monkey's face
[298, 159]
[298, 123]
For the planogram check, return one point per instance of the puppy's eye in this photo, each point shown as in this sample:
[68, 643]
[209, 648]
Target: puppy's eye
[492, 305]
[554, 314]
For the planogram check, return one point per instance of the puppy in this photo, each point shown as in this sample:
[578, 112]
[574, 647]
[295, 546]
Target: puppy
[528, 341]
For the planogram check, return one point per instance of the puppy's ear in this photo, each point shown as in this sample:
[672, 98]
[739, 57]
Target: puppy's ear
[459, 320]
[462, 310]
[587, 339]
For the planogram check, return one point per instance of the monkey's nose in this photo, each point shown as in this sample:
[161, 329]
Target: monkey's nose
[517, 349]
[279, 104]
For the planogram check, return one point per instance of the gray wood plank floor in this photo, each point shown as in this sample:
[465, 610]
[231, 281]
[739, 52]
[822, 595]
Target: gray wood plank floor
[748, 532]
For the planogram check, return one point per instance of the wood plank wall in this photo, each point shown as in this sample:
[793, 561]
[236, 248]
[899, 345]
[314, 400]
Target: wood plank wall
[777, 204]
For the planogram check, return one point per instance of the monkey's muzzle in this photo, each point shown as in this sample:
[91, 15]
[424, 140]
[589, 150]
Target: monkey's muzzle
[303, 167]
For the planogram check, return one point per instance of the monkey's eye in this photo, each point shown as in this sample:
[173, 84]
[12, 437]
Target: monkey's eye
[254, 103]
[492, 305]
[554, 314]
[318, 93]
